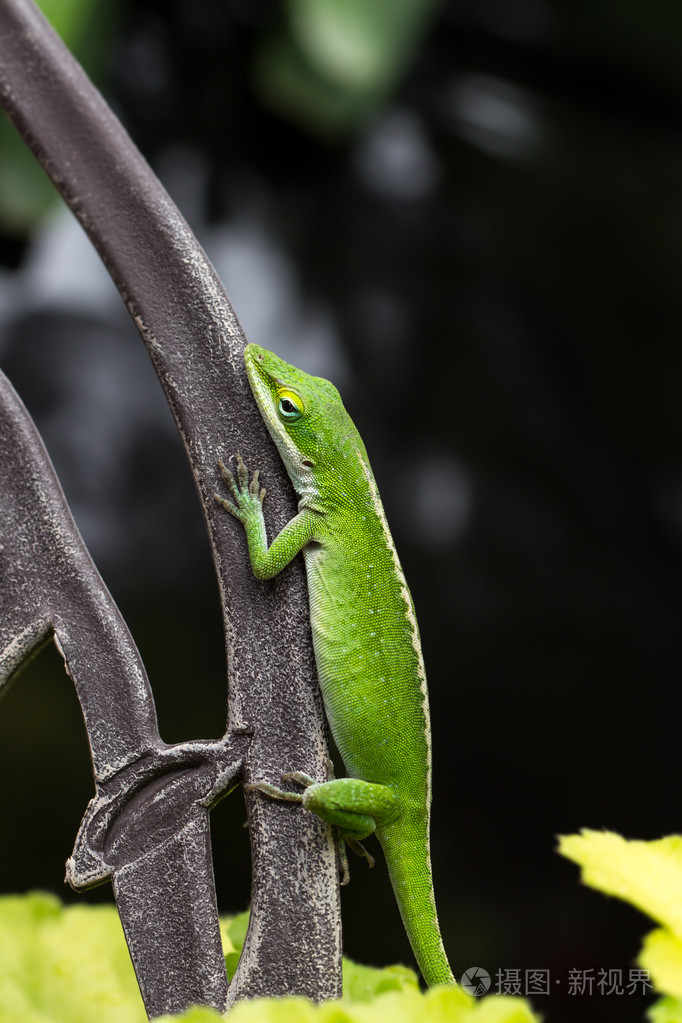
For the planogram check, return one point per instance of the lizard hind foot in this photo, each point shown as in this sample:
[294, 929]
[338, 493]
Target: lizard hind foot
[359, 849]
[343, 841]
[283, 794]
[342, 858]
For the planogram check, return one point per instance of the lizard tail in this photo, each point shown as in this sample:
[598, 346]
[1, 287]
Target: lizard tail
[409, 866]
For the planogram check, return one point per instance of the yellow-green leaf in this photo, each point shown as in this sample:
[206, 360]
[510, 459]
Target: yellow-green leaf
[64, 965]
[647, 874]
[667, 1010]
[661, 955]
[362, 983]
[71, 965]
[439, 1005]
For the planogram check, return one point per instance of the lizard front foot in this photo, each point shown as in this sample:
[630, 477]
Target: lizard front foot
[248, 497]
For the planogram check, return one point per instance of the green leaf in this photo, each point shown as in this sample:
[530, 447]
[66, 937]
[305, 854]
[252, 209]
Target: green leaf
[439, 1005]
[197, 1014]
[71, 19]
[647, 874]
[661, 955]
[71, 965]
[288, 84]
[26, 193]
[62, 965]
[355, 43]
[233, 933]
[363, 983]
[336, 61]
[667, 1010]
[236, 927]
[501, 1009]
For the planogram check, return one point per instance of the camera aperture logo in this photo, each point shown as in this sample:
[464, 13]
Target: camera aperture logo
[475, 981]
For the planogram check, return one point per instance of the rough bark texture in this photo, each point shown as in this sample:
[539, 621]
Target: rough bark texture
[50, 587]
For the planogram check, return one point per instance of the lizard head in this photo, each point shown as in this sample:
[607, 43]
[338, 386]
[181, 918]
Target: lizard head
[304, 415]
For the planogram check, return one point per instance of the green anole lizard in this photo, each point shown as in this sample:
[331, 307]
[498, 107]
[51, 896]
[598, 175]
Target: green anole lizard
[365, 635]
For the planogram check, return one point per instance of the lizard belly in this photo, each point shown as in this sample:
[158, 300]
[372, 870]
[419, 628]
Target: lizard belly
[370, 666]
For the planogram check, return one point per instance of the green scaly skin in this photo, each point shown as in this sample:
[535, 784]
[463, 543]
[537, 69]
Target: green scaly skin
[365, 635]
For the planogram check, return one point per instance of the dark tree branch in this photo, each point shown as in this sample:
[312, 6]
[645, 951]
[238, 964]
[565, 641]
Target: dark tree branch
[196, 344]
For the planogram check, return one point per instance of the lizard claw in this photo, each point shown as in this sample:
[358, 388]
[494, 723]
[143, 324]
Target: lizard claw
[303, 779]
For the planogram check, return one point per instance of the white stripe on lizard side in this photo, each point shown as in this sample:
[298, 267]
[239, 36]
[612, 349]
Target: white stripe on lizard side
[411, 617]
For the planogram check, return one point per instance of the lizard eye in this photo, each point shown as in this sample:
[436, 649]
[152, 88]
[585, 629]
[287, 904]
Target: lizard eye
[290, 406]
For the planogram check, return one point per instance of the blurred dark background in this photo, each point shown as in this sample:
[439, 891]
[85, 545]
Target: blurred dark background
[469, 216]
